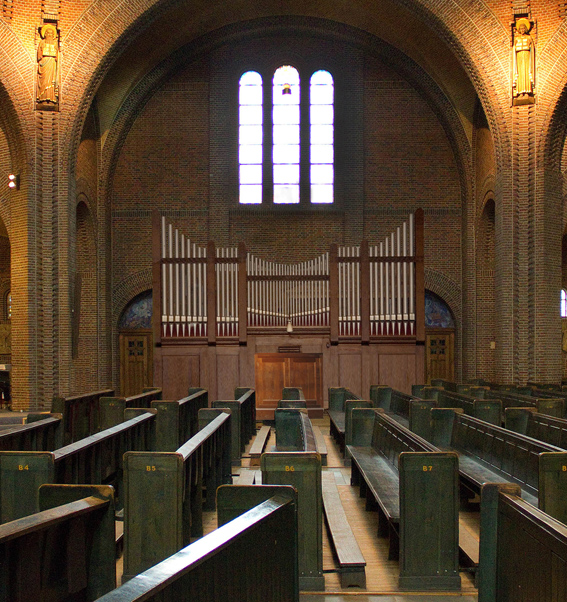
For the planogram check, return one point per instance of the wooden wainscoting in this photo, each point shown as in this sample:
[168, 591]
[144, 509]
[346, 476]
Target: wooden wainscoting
[277, 370]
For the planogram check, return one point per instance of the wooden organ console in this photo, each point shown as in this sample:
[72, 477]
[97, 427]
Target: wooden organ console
[221, 315]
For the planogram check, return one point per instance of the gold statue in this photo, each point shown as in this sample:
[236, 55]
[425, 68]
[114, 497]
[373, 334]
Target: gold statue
[524, 63]
[47, 65]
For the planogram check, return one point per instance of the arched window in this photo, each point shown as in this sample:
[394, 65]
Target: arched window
[563, 305]
[8, 306]
[250, 137]
[297, 164]
[285, 151]
[322, 137]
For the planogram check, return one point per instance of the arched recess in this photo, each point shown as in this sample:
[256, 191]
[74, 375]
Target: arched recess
[15, 270]
[563, 303]
[84, 303]
[123, 294]
[486, 295]
[5, 316]
[439, 339]
[136, 345]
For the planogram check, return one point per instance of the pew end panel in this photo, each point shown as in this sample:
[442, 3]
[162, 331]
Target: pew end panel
[302, 470]
[381, 396]
[442, 420]
[234, 500]
[153, 517]
[488, 557]
[429, 521]
[420, 418]
[101, 542]
[553, 484]
[516, 419]
[21, 474]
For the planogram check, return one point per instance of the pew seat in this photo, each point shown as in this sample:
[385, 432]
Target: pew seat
[349, 556]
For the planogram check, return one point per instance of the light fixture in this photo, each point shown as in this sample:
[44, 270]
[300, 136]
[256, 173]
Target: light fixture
[286, 89]
[289, 326]
[14, 181]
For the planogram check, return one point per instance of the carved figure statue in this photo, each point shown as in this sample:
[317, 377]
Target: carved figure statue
[47, 65]
[524, 60]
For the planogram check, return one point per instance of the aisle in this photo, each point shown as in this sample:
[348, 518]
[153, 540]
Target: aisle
[381, 573]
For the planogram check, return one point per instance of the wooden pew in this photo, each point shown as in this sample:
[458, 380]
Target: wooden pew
[408, 410]
[416, 494]
[542, 427]
[178, 420]
[295, 432]
[111, 409]
[163, 501]
[544, 405]
[489, 454]
[94, 460]
[337, 411]
[243, 419]
[80, 414]
[489, 410]
[523, 551]
[42, 432]
[302, 470]
[264, 538]
[63, 552]
[444, 384]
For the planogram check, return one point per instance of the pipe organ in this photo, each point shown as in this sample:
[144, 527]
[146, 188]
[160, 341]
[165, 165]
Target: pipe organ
[350, 293]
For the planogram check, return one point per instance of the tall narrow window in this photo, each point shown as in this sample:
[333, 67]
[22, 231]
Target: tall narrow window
[250, 138]
[286, 93]
[322, 137]
[563, 306]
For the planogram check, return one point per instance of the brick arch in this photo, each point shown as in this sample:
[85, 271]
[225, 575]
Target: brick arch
[413, 73]
[126, 290]
[552, 98]
[99, 36]
[16, 87]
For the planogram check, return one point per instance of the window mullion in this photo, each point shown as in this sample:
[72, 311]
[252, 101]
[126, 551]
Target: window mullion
[268, 171]
[304, 145]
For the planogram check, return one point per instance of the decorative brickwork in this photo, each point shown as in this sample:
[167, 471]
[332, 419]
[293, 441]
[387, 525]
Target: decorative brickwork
[423, 99]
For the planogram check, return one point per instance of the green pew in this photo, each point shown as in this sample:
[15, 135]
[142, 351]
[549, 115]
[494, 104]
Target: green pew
[178, 420]
[42, 432]
[80, 414]
[490, 454]
[523, 551]
[302, 470]
[243, 410]
[78, 564]
[95, 460]
[256, 552]
[111, 409]
[415, 489]
[338, 396]
[163, 501]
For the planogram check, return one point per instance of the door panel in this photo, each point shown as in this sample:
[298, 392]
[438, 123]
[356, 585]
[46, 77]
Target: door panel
[274, 371]
[439, 354]
[136, 366]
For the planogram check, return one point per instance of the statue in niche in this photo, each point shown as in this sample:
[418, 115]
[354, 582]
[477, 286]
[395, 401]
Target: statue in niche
[523, 44]
[47, 67]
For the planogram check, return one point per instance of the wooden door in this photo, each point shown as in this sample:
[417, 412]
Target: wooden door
[136, 365]
[440, 354]
[277, 370]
